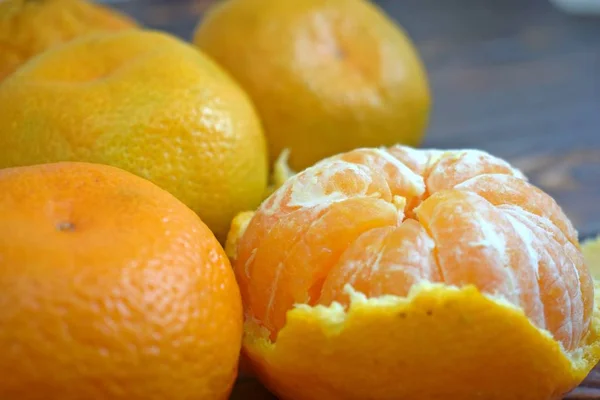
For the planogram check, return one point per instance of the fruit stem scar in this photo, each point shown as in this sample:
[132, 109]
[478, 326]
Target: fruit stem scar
[65, 226]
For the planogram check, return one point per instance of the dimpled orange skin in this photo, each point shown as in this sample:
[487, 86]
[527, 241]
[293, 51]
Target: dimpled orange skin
[110, 289]
[28, 27]
[145, 102]
[467, 249]
[326, 76]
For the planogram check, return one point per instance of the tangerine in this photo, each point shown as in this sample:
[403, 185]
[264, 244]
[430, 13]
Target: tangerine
[326, 76]
[110, 289]
[145, 102]
[28, 28]
[404, 273]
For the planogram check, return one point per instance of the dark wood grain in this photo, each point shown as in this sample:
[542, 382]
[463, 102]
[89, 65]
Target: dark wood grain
[513, 77]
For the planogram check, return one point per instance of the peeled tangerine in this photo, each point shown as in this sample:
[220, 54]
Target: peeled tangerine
[414, 274]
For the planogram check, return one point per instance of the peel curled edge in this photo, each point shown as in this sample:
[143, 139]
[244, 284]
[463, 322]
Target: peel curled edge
[438, 342]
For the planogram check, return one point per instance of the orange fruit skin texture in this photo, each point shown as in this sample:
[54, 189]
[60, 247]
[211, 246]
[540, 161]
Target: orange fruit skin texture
[403, 273]
[28, 28]
[327, 76]
[147, 103]
[110, 289]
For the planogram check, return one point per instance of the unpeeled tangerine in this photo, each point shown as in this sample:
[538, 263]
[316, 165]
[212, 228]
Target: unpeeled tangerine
[344, 312]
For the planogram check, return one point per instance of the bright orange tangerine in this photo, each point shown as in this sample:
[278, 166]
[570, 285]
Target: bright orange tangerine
[110, 288]
[402, 273]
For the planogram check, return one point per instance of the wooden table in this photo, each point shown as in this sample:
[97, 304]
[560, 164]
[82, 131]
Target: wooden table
[514, 77]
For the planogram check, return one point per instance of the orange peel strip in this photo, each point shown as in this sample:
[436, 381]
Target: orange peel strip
[439, 342]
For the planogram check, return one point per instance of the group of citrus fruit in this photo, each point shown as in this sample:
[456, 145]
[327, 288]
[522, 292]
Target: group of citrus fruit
[131, 160]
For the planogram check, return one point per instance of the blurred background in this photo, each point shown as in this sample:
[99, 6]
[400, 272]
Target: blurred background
[519, 78]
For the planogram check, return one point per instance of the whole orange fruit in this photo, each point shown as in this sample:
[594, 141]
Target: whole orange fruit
[414, 274]
[145, 102]
[28, 28]
[326, 75]
[110, 289]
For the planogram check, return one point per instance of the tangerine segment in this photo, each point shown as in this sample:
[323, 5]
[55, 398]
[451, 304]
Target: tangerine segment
[384, 220]
[304, 264]
[383, 261]
[506, 190]
[527, 263]
[429, 345]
